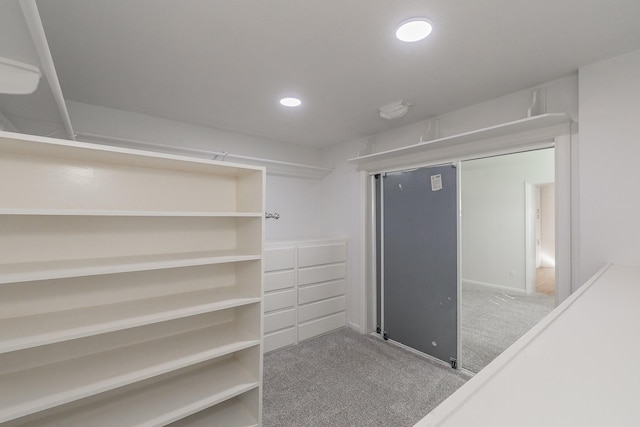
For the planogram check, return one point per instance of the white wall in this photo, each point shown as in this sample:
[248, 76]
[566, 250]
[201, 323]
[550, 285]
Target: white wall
[493, 215]
[118, 123]
[298, 203]
[15, 40]
[295, 199]
[609, 150]
[548, 224]
[34, 113]
[342, 205]
[561, 97]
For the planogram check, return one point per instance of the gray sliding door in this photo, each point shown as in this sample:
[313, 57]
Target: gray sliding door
[420, 260]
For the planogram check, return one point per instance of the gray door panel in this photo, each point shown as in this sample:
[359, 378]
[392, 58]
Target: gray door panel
[420, 260]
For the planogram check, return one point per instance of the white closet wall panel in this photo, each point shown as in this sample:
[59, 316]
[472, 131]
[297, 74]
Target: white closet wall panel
[130, 287]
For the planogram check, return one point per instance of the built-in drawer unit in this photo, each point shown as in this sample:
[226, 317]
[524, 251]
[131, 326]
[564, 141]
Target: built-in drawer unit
[305, 290]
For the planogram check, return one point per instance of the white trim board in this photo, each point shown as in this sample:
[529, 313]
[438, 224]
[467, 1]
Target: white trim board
[499, 137]
[493, 286]
[597, 320]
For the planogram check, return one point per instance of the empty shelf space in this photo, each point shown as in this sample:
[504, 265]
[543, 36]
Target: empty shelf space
[162, 402]
[141, 213]
[46, 386]
[231, 413]
[30, 331]
[30, 271]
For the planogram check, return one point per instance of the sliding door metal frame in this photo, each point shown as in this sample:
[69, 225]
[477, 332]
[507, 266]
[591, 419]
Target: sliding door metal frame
[373, 253]
[459, 261]
[381, 237]
[566, 160]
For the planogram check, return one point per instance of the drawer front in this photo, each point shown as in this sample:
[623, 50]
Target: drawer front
[279, 259]
[279, 280]
[279, 300]
[279, 320]
[323, 273]
[321, 309]
[279, 339]
[325, 254]
[319, 292]
[321, 326]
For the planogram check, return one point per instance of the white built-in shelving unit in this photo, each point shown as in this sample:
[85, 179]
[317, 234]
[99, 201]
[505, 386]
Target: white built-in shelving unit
[305, 290]
[130, 287]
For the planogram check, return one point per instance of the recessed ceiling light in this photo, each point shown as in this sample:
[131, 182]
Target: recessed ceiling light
[290, 102]
[413, 30]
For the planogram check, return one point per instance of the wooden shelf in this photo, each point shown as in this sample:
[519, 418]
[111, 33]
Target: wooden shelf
[79, 378]
[504, 129]
[162, 402]
[30, 271]
[79, 212]
[231, 413]
[19, 333]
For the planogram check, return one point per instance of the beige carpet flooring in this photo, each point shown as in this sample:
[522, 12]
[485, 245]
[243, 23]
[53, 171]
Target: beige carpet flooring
[344, 379]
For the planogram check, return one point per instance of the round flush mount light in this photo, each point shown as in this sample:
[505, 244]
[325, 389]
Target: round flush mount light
[290, 102]
[413, 30]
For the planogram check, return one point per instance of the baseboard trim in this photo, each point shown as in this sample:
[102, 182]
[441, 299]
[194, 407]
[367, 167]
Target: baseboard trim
[493, 286]
[355, 327]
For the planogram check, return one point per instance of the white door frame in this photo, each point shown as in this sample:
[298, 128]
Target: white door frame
[559, 137]
[530, 237]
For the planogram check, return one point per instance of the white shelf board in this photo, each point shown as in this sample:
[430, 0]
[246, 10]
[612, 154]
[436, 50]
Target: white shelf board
[504, 129]
[47, 386]
[87, 152]
[231, 413]
[79, 212]
[163, 402]
[19, 333]
[47, 270]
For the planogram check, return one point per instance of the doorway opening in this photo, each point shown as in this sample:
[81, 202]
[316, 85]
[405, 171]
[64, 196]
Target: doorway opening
[560, 145]
[505, 258]
[508, 243]
[541, 276]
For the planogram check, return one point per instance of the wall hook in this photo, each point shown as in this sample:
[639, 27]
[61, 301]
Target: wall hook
[269, 215]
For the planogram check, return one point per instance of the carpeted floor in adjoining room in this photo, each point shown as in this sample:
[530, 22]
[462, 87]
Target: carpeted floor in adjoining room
[492, 320]
[348, 379]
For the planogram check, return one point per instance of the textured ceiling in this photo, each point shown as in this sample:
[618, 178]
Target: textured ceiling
[225, 63]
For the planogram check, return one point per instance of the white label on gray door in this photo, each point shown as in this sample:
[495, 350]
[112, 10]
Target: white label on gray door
[436, 182]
